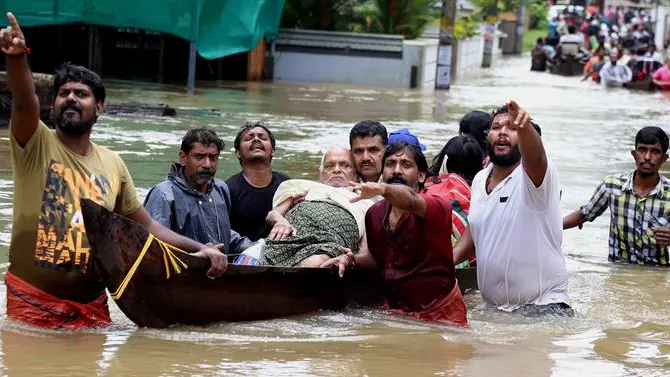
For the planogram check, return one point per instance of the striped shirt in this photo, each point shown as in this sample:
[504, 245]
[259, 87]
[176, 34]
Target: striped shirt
[633, 217]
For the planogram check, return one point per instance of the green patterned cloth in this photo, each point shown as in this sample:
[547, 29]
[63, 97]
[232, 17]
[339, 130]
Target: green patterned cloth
[321, 228]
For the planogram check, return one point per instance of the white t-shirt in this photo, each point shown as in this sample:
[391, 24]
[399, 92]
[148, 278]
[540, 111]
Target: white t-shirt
[517, 231]
[572, 38]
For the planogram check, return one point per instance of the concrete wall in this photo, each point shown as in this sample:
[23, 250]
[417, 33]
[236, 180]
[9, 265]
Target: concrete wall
[662, 32]
[370, 59]
[354, 58]
[467, 58]
[421, 53]
[359, 70]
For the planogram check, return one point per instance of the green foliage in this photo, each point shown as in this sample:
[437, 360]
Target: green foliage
[539, 10]
[500, 5]
[468, 26]
[407, 17]
[334, 15]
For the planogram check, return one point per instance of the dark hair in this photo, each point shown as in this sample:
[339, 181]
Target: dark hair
[540, 40]
[248, 126]
[504, 110]
[204, 136]
[476, 124]
[368, 128]
[537, 128]
[464, 157]
[652, 135]
[500, 110]
[419, 158]
[572, 29]
[68, 72]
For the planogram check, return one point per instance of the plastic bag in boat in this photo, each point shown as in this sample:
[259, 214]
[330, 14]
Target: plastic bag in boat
[252, 255]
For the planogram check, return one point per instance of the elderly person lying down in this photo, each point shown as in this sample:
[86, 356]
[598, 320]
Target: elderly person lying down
[309, 233]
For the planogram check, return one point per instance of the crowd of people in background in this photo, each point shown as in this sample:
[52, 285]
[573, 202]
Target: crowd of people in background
[617, 46]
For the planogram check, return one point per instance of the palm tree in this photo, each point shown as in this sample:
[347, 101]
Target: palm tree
[407, 17]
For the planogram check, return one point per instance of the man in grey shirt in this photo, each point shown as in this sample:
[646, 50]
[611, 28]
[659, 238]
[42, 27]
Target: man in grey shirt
[191, 201]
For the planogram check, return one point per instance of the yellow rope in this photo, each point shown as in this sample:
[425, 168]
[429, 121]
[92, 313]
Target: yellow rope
[169, 259]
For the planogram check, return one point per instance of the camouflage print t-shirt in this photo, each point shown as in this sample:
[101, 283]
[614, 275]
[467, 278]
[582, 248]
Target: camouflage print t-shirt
[49, 247]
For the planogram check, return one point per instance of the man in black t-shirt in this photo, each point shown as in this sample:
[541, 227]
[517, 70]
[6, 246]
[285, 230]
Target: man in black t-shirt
[252, 189]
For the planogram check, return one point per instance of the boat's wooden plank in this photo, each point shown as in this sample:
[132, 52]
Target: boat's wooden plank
[242, 293]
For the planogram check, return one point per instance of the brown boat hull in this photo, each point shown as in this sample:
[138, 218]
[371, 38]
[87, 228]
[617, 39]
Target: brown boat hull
[569, 67]
[243, 293]
[646, 85]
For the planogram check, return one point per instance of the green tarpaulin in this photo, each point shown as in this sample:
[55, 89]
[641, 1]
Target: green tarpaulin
[220, 27]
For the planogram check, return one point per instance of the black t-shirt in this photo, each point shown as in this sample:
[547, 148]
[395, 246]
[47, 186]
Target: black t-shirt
[250, 205]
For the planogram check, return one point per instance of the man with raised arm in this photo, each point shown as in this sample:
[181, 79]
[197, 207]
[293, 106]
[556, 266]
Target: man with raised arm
[515, 222]
[48, 282]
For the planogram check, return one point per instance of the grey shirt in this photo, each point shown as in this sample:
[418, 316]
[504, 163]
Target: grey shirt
[177, 205]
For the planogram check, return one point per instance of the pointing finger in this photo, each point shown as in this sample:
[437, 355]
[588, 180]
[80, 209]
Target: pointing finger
[519, 118]
[13, 23]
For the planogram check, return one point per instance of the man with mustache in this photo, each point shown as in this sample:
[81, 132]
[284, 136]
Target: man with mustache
[408, 239]
[515, 222]
[48, 281]
[252, 189]
[368, 139]
[639, 203]
[191, 201]
[325, 224]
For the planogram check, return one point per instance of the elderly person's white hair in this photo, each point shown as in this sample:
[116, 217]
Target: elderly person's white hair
[323, 156]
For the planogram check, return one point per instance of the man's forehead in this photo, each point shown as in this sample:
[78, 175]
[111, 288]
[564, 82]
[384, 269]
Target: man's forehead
[499, 117]
[650, 146]
[338, 155]
[403, 155]
[367, 141]
[255, 130]
[198, 147]
[74, 85]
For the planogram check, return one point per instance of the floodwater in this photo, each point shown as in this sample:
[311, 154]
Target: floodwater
[622, 326]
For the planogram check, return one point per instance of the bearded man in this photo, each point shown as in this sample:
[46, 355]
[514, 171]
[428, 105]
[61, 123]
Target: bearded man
[515, 222]
[48, 283]
[191, 201]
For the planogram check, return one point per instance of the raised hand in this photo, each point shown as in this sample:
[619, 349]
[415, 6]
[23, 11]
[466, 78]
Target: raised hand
[12, 41]
[521, 117]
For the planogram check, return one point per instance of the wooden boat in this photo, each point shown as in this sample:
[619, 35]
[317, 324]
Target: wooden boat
[570, 66]
[157, 286]
[647, 84]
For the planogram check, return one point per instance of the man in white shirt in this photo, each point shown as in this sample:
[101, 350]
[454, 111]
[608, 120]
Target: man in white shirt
[615, 74]
[572, 37]
[516, 222]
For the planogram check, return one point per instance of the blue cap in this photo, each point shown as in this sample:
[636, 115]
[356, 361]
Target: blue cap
[405, 136]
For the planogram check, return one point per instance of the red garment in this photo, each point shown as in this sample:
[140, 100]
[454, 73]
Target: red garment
[449, 310]
[455, 188]
[36, 307]
[416, 259]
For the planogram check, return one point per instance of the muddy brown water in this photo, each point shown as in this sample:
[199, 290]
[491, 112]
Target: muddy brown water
[622, 326]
